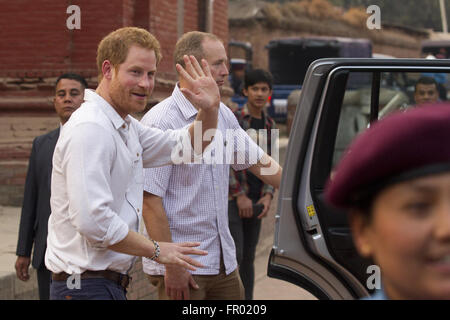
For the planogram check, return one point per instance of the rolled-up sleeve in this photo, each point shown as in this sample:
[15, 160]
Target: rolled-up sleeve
[87, 165]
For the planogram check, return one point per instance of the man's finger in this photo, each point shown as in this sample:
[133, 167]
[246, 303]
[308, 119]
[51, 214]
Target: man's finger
[193, 283]
[183, 73]
[189, 244]
[263, 214]
[192, 261]
[190, 67]
[185, 265]
[206, 69]
[196, 66]
[197, 252]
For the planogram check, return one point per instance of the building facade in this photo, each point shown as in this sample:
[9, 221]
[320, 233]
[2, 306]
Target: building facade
[41, 39]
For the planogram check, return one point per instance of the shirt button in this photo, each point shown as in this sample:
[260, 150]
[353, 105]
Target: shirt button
[138, 210]
[124, 126]
[137, 154]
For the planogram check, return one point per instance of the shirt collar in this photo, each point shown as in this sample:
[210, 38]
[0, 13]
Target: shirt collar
[184, 105]
[117, 121]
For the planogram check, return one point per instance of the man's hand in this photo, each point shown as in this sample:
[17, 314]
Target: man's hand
[22, 265]
[266, 200]
[203, 91]
[245, 206]
[136, 244]
[178, 282]
[177, 254]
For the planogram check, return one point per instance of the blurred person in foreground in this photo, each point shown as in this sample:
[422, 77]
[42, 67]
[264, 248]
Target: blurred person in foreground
[394, 181]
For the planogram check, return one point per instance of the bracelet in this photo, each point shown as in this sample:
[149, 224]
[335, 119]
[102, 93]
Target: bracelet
[157, 250]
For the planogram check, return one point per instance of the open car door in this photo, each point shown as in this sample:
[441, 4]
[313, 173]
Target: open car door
[340, 98]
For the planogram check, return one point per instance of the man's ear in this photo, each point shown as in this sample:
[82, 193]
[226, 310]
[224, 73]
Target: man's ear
[361, 227]
[245, 92]
[107, 69]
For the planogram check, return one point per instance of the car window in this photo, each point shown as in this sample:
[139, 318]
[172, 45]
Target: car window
[396, 93]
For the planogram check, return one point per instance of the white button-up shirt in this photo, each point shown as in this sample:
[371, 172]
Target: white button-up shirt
[195, 196]
[97, 185]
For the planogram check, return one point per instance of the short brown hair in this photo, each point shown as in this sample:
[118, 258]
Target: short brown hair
[191, 44]
[114, 47]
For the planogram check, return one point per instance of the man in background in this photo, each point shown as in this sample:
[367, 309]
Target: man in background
[426, 91]
[69, 95]
[246, 190]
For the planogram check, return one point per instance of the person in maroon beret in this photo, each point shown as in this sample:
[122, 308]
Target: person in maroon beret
[394, 181]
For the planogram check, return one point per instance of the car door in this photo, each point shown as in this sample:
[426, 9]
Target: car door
[340, 98]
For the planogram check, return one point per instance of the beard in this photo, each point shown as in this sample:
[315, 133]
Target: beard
[122, 100]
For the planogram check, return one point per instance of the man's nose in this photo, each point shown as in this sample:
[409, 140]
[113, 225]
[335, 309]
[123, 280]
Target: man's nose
[145, 82]
[225, 70]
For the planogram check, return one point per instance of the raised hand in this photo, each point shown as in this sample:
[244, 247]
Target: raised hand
[201, 90]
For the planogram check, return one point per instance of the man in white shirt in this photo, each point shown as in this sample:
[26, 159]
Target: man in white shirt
[190, 201]
[97, 177]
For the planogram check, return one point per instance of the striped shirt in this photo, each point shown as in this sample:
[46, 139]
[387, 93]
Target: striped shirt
[195, 196]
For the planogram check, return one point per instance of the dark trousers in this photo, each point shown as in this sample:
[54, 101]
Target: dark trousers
[245, 233]
[43, 278]
[89, 289]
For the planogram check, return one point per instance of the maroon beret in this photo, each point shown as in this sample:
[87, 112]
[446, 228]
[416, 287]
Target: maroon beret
[402, 146]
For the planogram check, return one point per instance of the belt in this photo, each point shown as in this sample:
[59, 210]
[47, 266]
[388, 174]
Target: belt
[116, 277]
